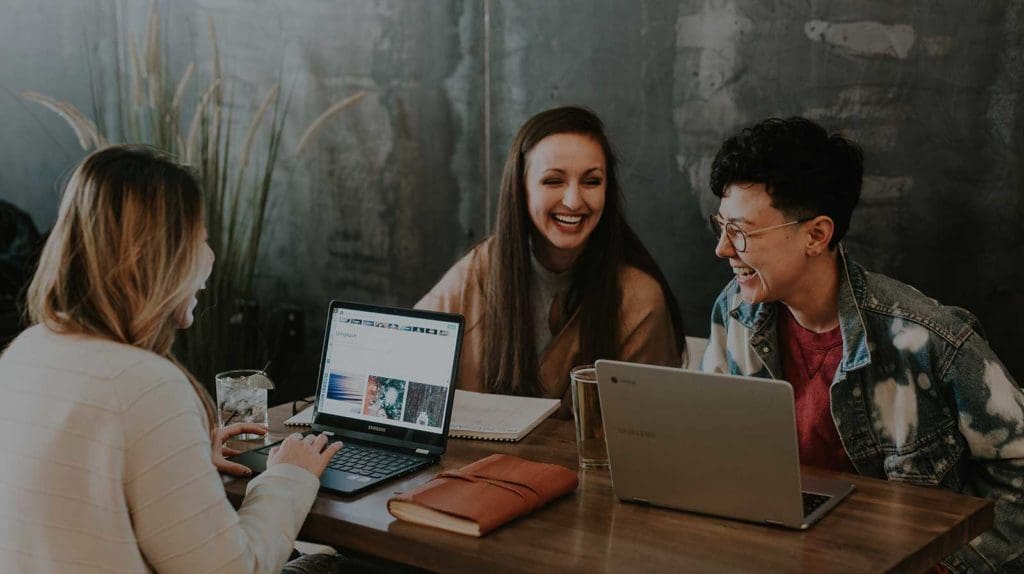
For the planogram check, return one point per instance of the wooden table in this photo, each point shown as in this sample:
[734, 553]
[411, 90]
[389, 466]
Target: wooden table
[881, 527]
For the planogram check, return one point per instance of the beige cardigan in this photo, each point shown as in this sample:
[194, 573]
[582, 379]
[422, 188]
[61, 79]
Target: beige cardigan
[105, 467]
[647, 332]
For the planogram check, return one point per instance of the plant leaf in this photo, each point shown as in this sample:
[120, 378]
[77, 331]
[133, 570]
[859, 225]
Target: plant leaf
[257, 119]
[325, 117]
[137, 72]
[84, 128]
[179, 92]
[193, 130]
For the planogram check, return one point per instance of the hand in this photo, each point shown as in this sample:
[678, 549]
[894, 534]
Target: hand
[306, 452]
[219, 435]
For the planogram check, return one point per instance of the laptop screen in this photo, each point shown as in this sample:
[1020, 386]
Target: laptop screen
[389, 372]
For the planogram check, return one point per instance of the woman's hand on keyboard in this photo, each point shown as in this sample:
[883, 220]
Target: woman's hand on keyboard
[307, 452]
[219, 436]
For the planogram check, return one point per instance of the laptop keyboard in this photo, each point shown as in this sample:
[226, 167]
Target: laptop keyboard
[365, 461]
[813, 501]
[372, 462]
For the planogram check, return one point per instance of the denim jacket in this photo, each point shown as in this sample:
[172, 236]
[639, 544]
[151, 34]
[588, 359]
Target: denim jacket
[919, 397]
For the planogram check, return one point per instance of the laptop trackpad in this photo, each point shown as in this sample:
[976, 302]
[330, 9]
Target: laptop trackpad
[342, 481]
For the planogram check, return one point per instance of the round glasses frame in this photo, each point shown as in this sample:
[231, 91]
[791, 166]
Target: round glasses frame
[737, 236]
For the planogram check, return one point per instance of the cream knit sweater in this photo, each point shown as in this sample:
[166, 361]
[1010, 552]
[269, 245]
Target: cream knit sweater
[105, 467]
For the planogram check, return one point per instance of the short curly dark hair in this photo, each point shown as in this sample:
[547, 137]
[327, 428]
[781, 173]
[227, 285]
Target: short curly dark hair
[806, 171]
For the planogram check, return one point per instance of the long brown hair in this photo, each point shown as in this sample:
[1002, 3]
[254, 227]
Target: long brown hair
[510, 358]
[118, 261]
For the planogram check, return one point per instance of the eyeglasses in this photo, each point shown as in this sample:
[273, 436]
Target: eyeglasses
[737, 236]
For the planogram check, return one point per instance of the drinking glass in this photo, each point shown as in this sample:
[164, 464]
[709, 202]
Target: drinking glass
[242, 398]
[586, 410]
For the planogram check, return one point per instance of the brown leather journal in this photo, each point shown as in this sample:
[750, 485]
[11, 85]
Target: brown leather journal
[482, 496]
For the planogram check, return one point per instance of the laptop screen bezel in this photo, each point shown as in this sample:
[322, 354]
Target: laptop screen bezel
[377, 431]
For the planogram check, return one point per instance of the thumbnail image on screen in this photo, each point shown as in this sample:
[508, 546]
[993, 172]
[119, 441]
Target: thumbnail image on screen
[424, 405]
[385, 398]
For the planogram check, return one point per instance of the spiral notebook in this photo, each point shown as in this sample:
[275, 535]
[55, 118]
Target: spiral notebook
[303, 419]
[486, 416]
[482, 416]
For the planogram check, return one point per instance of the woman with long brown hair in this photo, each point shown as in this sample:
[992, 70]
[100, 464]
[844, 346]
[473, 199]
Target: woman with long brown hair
[563, 280]
[110, 463]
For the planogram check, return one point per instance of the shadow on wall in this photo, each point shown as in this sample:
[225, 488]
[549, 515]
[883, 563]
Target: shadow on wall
[19, 247]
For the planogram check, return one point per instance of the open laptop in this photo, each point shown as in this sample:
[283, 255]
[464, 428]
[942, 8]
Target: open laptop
[715, 444]
[385, 387]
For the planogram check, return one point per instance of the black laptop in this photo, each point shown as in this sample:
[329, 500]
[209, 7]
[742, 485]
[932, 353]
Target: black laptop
[385, 388]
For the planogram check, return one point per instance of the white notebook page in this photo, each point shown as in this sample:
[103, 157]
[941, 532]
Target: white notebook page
[500, 416]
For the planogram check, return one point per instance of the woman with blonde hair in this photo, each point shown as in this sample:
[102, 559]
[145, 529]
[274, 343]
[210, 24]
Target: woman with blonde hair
[110, 464]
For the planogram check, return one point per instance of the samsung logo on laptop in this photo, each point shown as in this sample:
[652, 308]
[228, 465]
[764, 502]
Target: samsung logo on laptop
[636, 432]
[376, 428]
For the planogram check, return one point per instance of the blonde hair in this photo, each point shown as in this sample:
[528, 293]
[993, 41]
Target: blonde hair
[118, 261]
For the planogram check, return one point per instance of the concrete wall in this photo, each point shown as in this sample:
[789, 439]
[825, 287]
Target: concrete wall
[395, 190]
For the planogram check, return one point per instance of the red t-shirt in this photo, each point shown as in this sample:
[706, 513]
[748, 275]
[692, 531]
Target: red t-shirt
[809, 363]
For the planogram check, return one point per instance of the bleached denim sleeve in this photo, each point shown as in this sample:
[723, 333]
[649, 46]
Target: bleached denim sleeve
[716, 354]
[990, 411]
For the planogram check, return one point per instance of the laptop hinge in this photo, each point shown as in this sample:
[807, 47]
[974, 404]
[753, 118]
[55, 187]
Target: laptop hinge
[641, 500]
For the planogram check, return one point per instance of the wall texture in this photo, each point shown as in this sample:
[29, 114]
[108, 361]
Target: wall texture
[391, 193]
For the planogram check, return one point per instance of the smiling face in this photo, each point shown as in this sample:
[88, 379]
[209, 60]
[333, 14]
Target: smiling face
[565, 194]
[775, 262]
[198, 282]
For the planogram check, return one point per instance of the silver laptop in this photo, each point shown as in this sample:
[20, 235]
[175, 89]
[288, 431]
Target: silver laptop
[715, 444]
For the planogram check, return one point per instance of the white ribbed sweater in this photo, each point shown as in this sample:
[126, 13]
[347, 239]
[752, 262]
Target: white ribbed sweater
[105, 467]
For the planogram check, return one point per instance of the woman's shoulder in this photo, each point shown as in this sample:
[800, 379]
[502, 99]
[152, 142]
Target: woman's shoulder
[640, 290]
[96, 366]
[475, 261]
[87, 354]
[467, 274]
